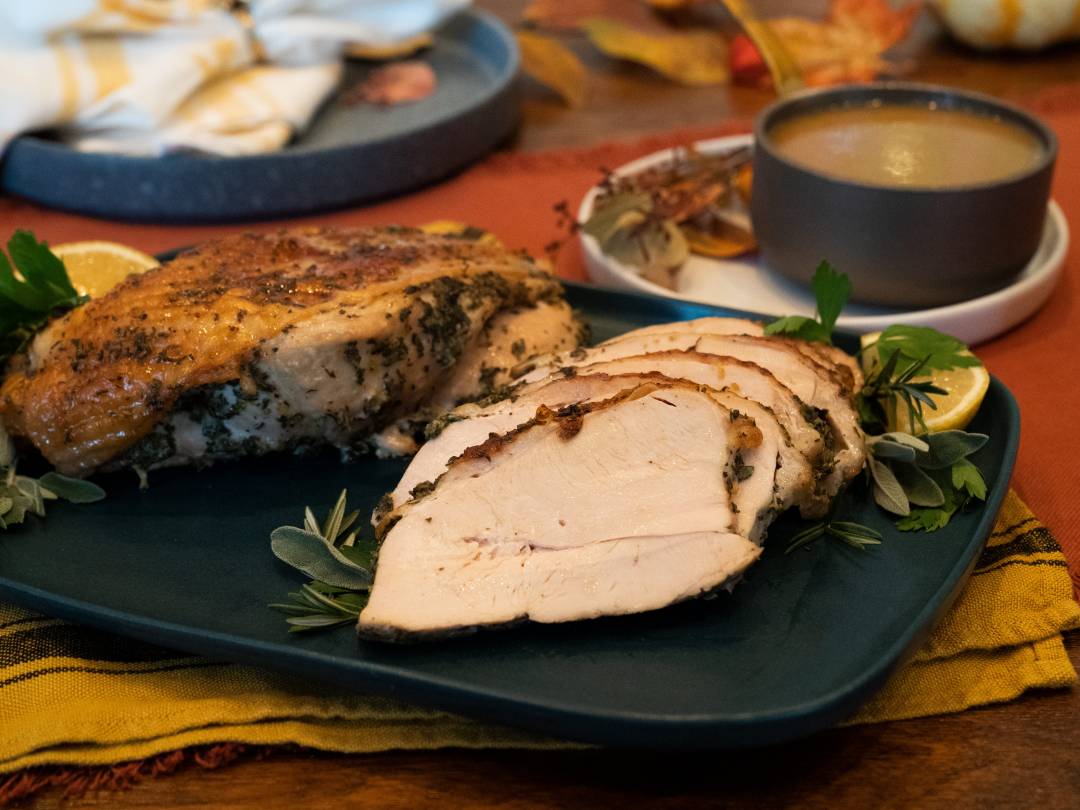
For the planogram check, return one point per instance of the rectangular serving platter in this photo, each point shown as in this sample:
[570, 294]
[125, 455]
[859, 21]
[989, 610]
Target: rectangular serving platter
[801, 642]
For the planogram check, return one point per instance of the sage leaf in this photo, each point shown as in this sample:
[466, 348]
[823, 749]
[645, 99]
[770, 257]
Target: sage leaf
[35, 497]
[887, 450]
[920, 488]
[898, 437]
[888, 493]
[948, 447]
[73, 490]
[318, 559]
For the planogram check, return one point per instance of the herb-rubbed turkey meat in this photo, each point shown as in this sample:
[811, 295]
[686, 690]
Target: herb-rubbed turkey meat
[605, 508]
[262, 342]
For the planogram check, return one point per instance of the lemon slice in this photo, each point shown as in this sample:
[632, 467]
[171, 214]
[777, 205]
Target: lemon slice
[96, 267]
[966, 389]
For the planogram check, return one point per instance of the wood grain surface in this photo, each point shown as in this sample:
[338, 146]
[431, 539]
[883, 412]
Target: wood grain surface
[1022, 754]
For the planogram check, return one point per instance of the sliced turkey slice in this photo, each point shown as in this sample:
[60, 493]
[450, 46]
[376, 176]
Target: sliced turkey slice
[807, 379]
[607, 508]
[471, 425]
[745, 378]
[698, 326]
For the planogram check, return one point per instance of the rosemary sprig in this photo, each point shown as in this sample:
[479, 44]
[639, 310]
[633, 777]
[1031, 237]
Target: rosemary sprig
[318, 606]
[895, 381]
[853, 534]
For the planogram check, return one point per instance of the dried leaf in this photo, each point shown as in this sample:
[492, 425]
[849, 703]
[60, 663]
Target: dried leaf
[572, 14]
[744, 179]
[656, 247]
[553, 65]
[393, 84]
[846, 47]
[725, 240]
[695, 57]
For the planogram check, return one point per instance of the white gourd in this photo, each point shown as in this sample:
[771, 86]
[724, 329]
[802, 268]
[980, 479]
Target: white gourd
[1016, 24]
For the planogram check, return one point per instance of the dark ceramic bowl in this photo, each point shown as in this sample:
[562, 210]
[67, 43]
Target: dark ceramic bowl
[901, 246]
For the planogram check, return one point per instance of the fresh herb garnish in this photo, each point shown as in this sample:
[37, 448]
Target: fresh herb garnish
[32, 292]
[924, 479]
[339, 563]
[899, 357]
[831, 291]
[855, 535]
[21, 495]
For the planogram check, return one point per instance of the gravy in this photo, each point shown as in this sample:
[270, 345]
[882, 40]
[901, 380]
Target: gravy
[897, 145]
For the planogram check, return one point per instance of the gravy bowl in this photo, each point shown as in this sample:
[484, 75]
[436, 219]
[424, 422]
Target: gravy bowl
[923, 195]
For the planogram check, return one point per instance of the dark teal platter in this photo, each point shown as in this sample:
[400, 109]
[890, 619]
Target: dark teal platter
[802, 642]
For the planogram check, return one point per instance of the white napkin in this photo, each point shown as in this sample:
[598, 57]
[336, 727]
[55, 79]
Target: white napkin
[152, 76]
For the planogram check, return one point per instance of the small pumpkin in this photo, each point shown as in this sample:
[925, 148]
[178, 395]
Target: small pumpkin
[1010, 24]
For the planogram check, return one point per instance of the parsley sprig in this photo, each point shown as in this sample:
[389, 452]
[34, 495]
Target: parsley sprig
[34, 288]
[831, 291]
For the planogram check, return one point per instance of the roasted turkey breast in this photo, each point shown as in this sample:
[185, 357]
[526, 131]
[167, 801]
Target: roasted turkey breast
[262, 342]
[614, 479]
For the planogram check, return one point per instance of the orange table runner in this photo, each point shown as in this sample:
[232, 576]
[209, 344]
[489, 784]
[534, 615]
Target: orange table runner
[514, 195]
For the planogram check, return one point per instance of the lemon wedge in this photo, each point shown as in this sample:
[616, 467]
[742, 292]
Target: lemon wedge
[450, 227]
[966, 389]
[96, 267]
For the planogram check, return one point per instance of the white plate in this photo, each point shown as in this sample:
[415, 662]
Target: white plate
[746, 283]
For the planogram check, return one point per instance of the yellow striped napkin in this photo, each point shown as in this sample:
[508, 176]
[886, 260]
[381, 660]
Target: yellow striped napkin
[152, 76]
[75, 696]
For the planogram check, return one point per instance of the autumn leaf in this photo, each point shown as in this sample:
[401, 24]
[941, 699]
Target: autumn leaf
[676, 5]
[695, 57]
[570, 15]
[553, 65]
[846, 47]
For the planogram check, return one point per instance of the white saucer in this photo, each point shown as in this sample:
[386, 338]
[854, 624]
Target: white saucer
[745, 283]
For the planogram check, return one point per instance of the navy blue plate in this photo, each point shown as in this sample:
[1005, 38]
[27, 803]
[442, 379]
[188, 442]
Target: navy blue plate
[349, 155]
[800, 644]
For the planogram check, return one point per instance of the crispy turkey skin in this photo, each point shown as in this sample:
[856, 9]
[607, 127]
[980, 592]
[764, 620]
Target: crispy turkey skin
[261, 342]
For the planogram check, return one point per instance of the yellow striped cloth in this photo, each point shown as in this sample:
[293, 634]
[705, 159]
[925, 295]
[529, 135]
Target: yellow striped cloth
[152, 76]
[75, 696]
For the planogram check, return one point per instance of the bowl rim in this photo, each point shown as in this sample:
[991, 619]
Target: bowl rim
[823, 97]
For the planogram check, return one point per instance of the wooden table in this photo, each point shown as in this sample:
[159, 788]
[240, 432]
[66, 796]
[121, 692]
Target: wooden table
[1021, 754]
